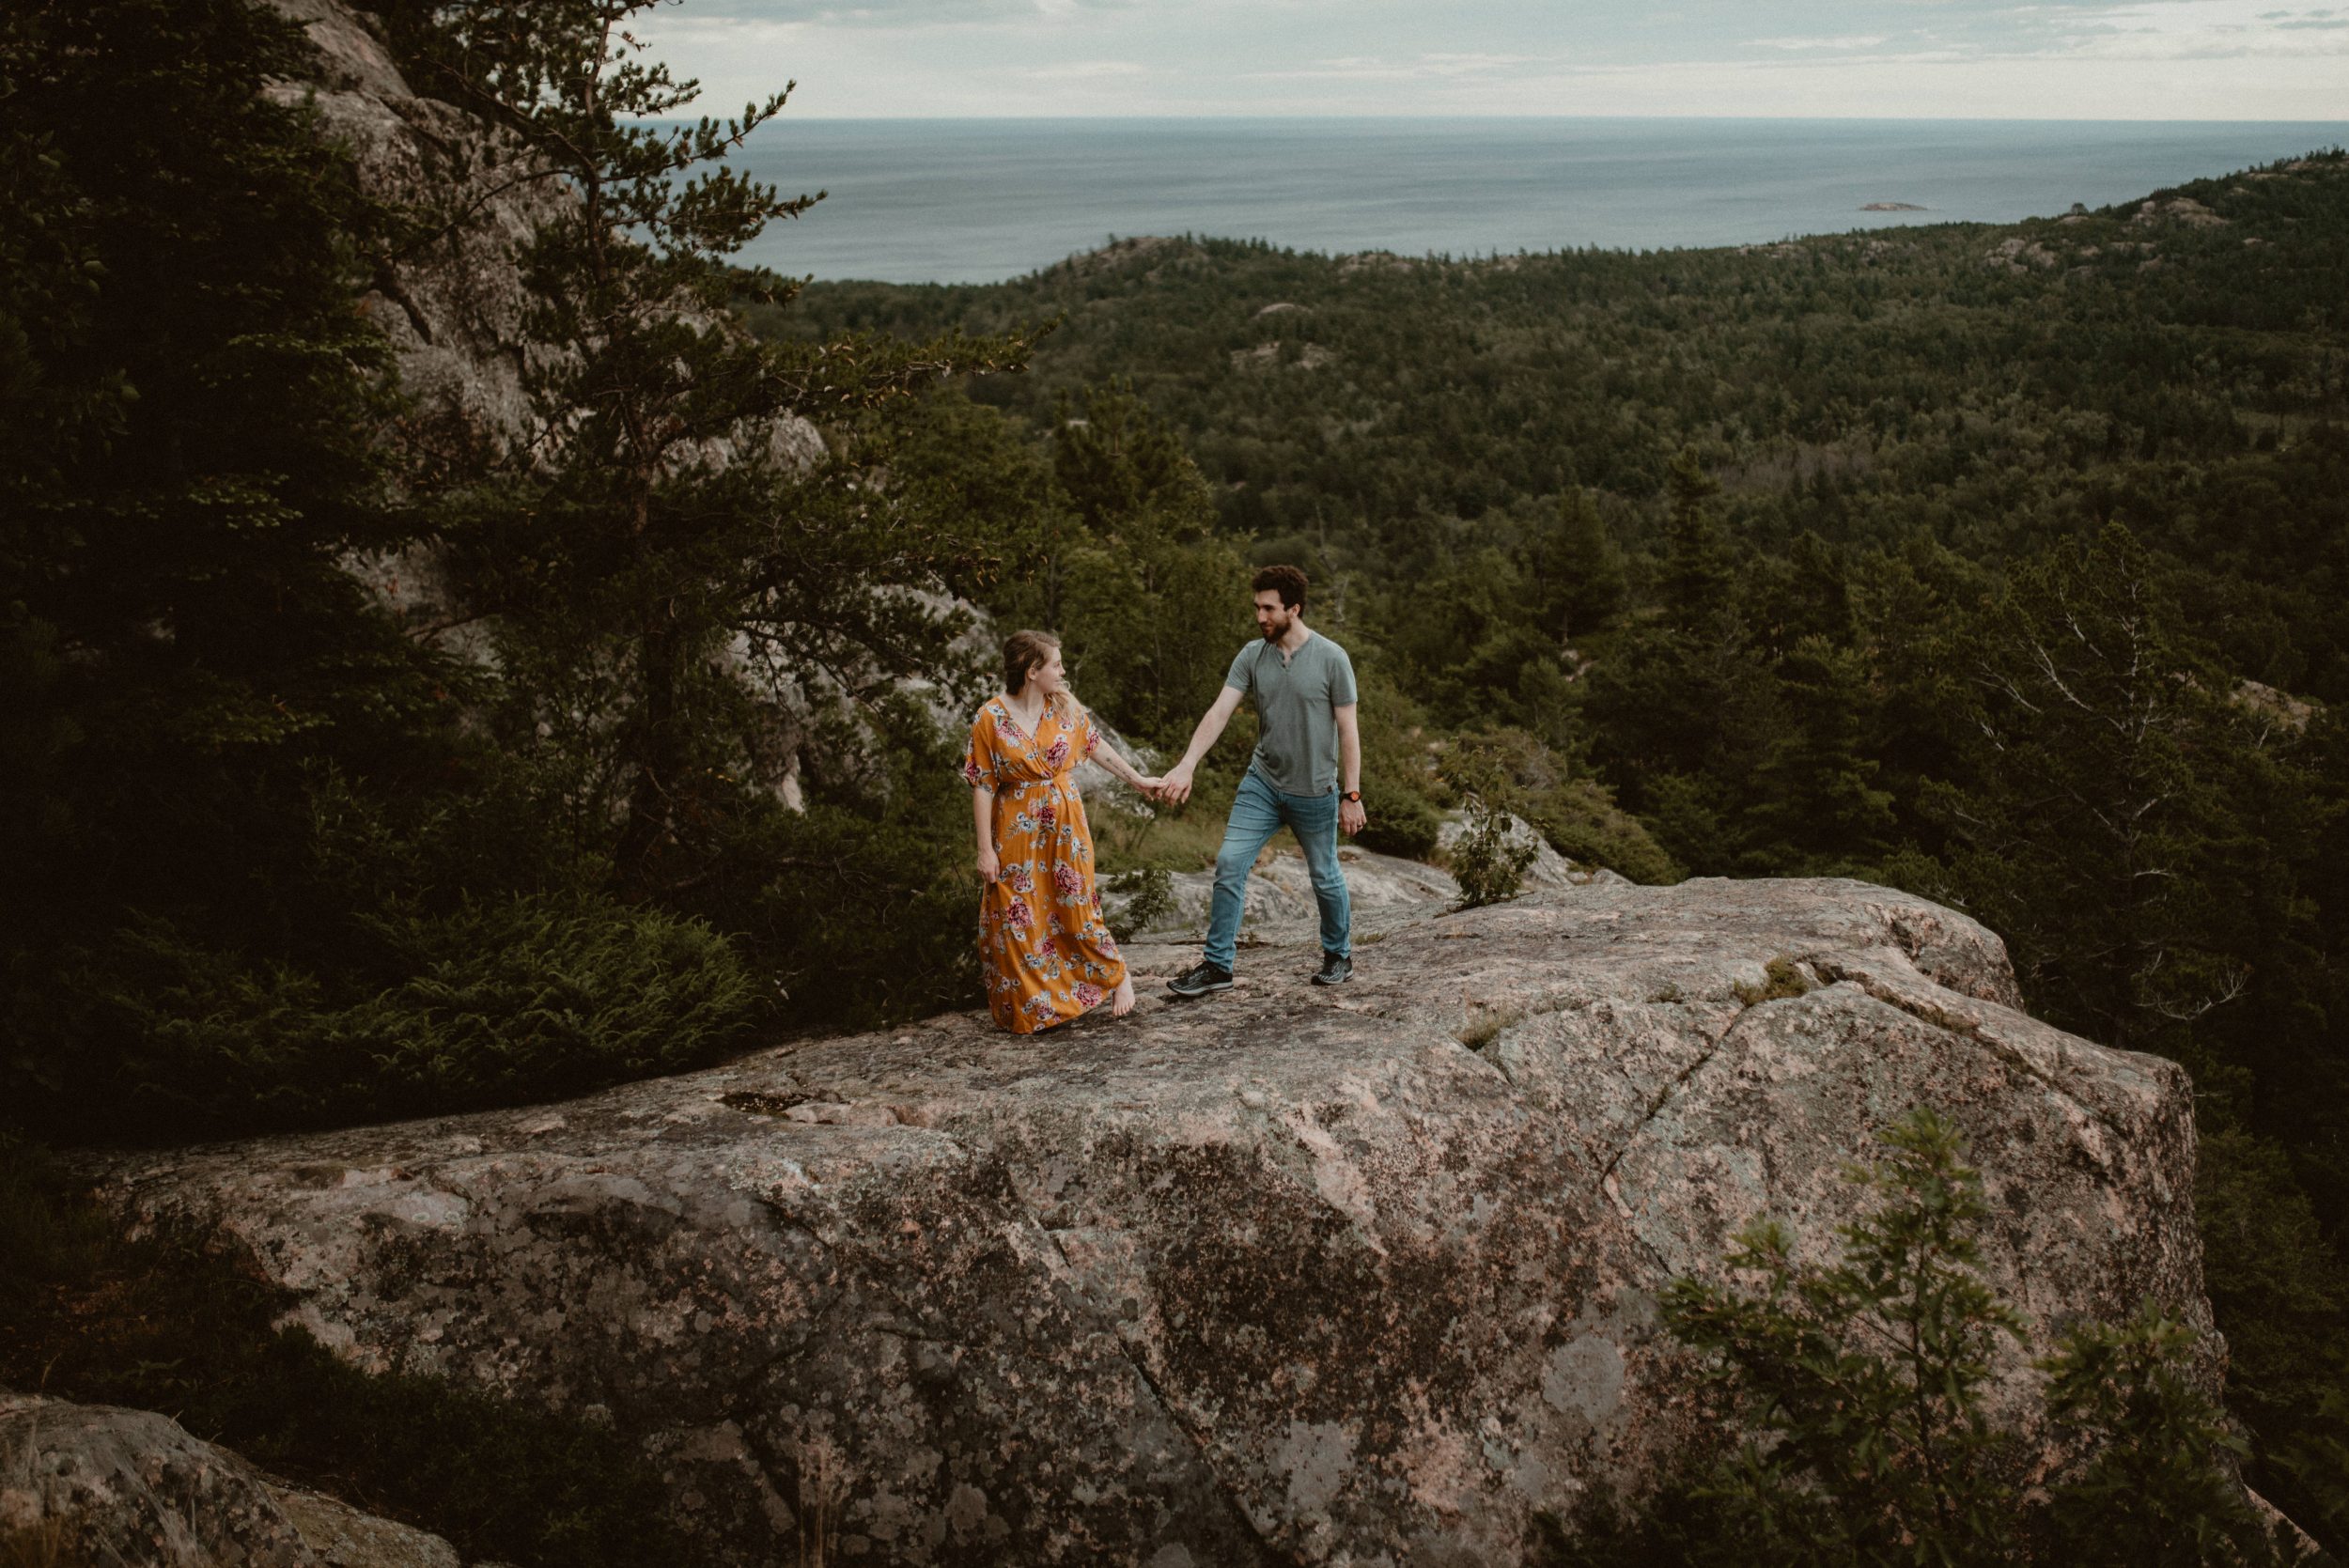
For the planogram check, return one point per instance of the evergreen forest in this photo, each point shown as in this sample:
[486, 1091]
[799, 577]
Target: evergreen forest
[2007, 565]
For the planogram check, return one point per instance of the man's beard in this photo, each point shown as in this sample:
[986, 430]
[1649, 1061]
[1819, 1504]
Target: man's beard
[1274, 631]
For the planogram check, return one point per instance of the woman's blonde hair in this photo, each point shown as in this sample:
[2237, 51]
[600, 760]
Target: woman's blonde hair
[1022, 652]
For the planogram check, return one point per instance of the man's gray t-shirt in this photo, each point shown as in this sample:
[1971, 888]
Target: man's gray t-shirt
[1297, 701]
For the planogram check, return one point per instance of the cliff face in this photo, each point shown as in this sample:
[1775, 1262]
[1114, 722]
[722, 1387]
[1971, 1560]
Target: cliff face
[1365, 1275]
[451, 303]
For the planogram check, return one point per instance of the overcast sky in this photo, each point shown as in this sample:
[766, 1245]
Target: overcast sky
[2093, 59]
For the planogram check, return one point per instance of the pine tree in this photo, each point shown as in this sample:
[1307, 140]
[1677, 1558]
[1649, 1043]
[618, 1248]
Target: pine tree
[185, 399]
[1817, 807]
[1575, 569]
[1699, 577]
[2091, 842]
[661, 536]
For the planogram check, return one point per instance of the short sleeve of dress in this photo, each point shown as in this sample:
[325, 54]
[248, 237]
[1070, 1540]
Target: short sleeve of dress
[1088, 732]
[978, 763]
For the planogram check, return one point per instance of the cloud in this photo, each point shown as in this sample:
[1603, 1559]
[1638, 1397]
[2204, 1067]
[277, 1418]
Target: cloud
[1854, 41]
[1085, 70]
[893, 13]
[2159, 30]
[1433, 67]
[2222, 59]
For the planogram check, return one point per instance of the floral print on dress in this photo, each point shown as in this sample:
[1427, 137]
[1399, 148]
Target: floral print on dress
[1046, 960]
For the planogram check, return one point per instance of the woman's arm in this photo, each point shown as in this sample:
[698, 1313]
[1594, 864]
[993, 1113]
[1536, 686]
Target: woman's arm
[982, 824]
[1108, 756]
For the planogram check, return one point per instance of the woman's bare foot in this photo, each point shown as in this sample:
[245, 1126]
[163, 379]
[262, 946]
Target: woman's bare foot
[1122, 999]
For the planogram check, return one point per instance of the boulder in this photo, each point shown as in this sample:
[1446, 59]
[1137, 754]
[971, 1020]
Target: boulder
[91, 1483]
[1360, 1275]
[1386, 891]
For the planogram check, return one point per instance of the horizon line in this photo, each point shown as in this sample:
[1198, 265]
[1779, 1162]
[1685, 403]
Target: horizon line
[802, 116]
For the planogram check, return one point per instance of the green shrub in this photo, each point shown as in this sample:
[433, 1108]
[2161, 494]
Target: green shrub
[493, 1003]
[1400, 790]
[1575, 812]
[1854, 1393]
[1402, 822]
[1582, 822]
[1153, 900]
[2158, 1486]
[1489, 858]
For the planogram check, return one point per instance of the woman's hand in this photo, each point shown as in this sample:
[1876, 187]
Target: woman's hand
[1150, 786]
[989, 868]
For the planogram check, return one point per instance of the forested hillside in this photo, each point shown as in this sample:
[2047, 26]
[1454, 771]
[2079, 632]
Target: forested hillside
[2004, 564]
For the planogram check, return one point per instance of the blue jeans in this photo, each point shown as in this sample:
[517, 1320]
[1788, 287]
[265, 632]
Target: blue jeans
[1258, 812]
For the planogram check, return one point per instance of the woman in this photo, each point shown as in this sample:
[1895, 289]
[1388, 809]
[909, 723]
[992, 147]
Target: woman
[1045, 951]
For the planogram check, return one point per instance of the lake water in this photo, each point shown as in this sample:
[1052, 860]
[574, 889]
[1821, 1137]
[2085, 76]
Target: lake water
[976, 201]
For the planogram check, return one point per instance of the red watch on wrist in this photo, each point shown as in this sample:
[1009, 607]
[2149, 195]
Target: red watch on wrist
[1353, 795]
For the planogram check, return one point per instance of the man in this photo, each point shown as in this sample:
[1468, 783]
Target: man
[1306, 775]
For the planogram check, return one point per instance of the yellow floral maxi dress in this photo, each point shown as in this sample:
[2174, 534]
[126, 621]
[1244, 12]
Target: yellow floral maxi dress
[1044, 953]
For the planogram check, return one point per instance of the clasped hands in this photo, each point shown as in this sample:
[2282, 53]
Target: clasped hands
[1173, 788]
[1170, 789]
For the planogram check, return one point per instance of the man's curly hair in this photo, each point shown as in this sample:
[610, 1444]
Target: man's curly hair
[1287, 582]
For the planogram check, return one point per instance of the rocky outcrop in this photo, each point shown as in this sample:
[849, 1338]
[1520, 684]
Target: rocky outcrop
[2177, 209]
[1386, 891]
[1353, 1276]
[450, 300]
[449, 297]
[82, 1483]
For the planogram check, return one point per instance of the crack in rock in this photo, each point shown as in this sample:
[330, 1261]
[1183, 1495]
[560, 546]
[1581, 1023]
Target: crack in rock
[1664, 1095]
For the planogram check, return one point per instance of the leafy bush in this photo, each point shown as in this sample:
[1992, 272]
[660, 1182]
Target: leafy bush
[1567, 806]
[863, 908]
[1489, 858]
[1153, 899]
[1857, 1387]
[493, 1003]
[1402, 822]
[2158, 1486]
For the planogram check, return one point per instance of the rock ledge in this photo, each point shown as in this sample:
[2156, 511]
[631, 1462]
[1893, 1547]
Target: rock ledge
[1360, 1275]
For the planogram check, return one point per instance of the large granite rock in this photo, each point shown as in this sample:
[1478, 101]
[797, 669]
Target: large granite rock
[1357, 1276]
[113, 1488]
[1385, 891]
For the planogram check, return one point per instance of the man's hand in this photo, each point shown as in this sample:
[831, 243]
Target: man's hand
[1174, 788]
[1352, 817]
[988, 869]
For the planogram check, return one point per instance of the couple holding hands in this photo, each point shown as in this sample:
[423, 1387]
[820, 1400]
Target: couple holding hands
[1045, 953]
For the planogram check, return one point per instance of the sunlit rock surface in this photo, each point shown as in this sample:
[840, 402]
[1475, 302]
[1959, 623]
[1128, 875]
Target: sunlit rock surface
[1365, 1275]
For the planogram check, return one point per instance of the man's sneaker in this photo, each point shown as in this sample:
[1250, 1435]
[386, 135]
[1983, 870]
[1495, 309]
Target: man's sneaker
[1334, 970]
[1201, 978]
